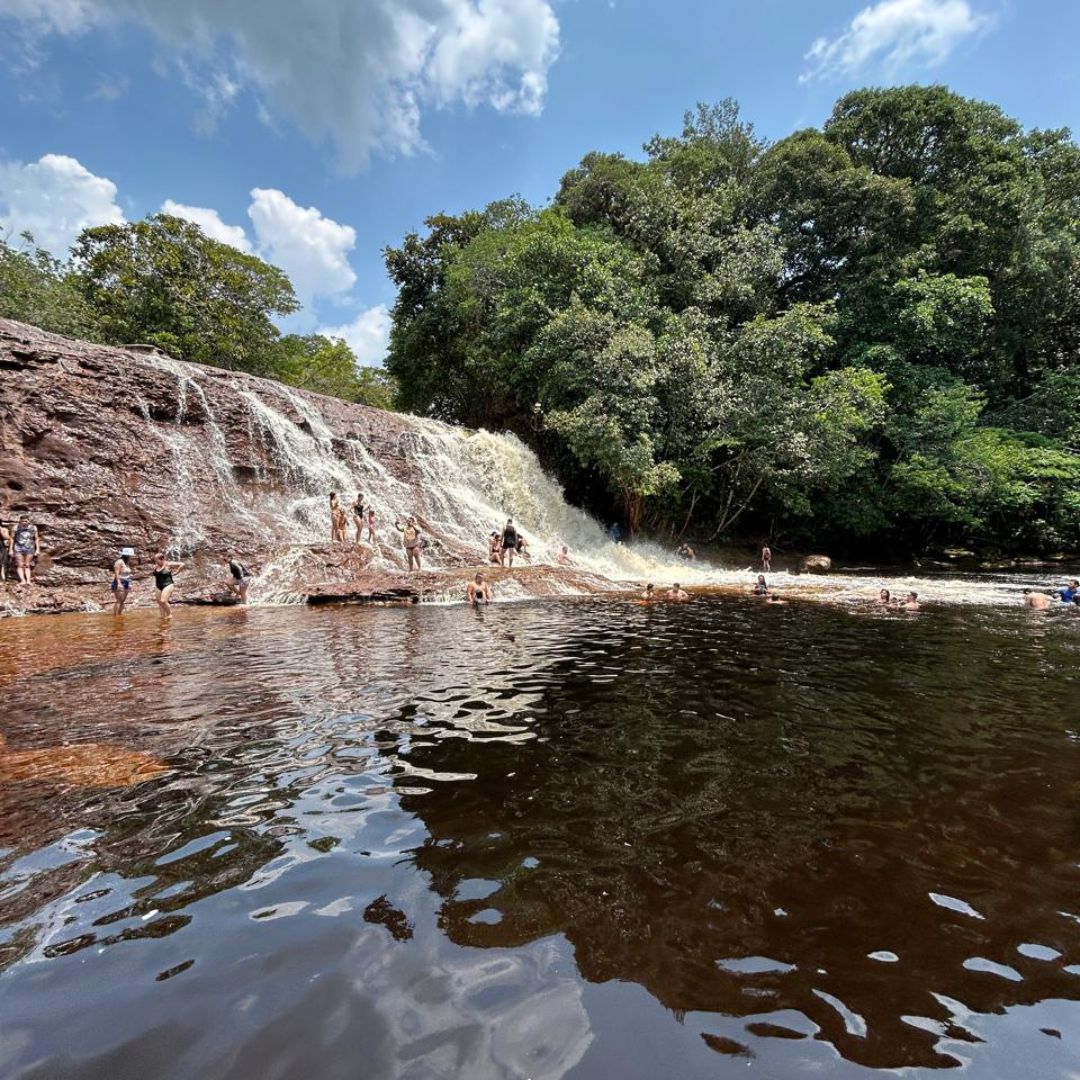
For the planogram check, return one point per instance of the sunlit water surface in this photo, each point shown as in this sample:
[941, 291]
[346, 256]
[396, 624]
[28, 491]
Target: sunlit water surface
[587, 839]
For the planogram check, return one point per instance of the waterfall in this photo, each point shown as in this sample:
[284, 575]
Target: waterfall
[251, 462]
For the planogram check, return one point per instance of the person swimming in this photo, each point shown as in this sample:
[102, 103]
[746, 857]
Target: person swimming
[121, 580]
[650, 592]
[884, 598]
[910, 602]
[478, 590]
[165, 583]
[677, 593]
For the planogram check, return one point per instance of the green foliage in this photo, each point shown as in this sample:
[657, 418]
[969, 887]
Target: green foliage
[864, 332]
[37, 288]
[164, 282]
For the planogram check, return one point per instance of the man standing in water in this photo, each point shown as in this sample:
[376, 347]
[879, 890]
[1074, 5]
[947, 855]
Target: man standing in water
[677, 593]
[766, 559]
[509, 543]
[121, 580]
[1070, 592]
[1037, 600]
[410, 535]
[478, 590]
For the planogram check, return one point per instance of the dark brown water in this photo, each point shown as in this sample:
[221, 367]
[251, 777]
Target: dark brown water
[579, 839]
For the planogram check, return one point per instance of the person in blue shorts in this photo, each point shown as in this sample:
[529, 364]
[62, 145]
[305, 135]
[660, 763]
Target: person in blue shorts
[1071, 591]
[121, 580]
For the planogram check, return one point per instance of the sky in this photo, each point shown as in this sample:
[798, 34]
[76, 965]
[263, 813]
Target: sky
[316, 132]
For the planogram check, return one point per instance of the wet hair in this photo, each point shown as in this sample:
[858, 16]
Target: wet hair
[649, 586]
[913, 594]
[676, 585]
[886, 594]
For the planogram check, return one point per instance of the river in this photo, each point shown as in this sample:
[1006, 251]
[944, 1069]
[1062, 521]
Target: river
[585, 838]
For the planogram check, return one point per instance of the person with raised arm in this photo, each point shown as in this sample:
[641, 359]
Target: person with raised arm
[165, 583]
[410, 535]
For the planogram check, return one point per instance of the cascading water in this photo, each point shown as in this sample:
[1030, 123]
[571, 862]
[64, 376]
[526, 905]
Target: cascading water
[461, 484]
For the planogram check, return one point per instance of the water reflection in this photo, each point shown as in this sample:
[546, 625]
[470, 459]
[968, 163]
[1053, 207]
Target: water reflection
[582, 838]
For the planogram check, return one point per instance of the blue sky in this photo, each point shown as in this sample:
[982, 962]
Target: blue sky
[315, 132]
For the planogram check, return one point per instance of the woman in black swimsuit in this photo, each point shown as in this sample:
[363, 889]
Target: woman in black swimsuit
[163, 582]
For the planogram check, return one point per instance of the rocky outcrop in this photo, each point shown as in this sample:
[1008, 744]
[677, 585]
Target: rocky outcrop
[816, 564]
[112, 447]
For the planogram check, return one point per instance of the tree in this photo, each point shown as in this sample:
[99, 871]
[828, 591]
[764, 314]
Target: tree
[162, 281]
[36, 287]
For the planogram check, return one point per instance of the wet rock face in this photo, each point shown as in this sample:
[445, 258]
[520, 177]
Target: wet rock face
[107, 447]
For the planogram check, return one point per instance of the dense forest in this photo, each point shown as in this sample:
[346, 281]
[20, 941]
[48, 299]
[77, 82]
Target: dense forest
[864, 335]
[163, 282]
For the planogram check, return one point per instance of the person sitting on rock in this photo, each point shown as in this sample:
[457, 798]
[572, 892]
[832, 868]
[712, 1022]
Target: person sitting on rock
[495, 548]
[24, 547]
[478, 590]
[509, 543]
[564, 556]
[761, 586]
[241, 578]
[121, 580]
[676, 592]
[685, 551]
[523, 548]
[410, 535]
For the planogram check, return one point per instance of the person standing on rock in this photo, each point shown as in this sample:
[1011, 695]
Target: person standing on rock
[164, 583]
[358, 515]
[509, 543]
[410, 534]
[478, 590]
[24, 547]
[121, 580]
[241, 579]
[338, 522]
[5, 543]
[766, 559]
[371, 526]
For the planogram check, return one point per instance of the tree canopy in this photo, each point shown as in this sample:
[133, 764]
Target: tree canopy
[163, 282]
[864, 333]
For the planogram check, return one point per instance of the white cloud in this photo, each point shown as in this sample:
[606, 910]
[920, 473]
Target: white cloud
[313, 250]
[358, 74]
[55, 198]
[368, 335]
[210, 222]
[895, 34]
